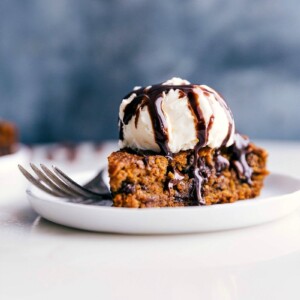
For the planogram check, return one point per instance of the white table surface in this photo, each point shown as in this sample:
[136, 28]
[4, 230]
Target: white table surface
[42, 260]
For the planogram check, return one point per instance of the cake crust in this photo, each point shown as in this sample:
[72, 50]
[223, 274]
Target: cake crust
[141, 180]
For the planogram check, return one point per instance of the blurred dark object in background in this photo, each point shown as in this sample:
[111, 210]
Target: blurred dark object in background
[8, 138]
[66, 64]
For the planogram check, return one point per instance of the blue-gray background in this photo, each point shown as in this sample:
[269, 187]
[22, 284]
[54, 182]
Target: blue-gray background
[66, 64]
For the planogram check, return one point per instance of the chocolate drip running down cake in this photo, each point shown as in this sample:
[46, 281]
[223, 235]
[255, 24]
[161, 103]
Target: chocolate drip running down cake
[8, 138]
[179, 148]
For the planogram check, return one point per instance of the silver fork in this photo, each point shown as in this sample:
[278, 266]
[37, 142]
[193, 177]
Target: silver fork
[59, 184]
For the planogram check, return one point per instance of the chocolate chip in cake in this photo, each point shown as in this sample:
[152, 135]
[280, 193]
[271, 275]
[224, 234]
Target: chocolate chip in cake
[127, 188]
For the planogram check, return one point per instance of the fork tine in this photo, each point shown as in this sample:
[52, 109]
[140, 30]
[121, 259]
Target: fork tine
[37, 183]
[69, 181]
[98, 182]
[65, 187]
[47, 181]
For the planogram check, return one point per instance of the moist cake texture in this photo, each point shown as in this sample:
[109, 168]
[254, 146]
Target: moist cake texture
[151, 180]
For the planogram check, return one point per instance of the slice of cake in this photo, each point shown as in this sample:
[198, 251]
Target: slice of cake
[8, 138]
[179, 148]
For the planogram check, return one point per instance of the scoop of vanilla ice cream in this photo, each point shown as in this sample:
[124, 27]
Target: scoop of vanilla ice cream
[180, 120]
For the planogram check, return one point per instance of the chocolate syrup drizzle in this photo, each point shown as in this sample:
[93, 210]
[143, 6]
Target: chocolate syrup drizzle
[152, 97]
[239, 161]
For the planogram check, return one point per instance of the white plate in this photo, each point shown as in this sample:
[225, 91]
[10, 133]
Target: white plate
[280, 197]
[9, 162]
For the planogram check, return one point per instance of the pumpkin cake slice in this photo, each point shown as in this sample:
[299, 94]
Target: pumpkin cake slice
[179, 148]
